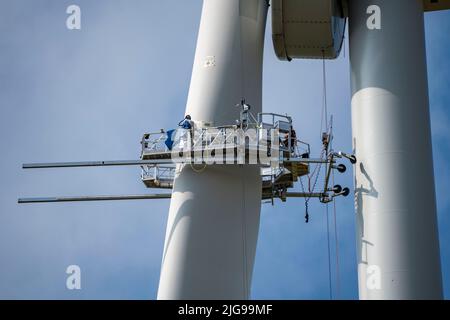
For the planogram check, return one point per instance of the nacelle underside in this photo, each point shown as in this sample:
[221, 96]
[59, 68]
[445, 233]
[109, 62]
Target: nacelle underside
[314, 29]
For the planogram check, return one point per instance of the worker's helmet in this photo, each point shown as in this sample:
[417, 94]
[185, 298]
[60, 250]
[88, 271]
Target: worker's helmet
[188, 117]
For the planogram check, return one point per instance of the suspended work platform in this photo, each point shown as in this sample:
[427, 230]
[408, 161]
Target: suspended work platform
[268, 141]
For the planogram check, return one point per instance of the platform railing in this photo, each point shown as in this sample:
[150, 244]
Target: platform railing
[153, 141]
[198, 139]
[158, 172]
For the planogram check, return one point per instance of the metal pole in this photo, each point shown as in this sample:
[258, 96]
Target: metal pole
[112, 163]
[94, 164]
[95, 198]
[304, 195]
[397, 234]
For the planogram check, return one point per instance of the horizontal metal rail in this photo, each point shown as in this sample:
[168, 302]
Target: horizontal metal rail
[304, 195]
[138, 197]
[132, 163]
[96, 198]
[95, 164]
[308, 160]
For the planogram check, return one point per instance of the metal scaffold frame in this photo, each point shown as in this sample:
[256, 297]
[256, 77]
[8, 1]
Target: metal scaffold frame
[287, 159]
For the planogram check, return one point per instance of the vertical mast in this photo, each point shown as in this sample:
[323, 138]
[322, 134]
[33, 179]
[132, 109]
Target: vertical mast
[397, 234]
[213, 220]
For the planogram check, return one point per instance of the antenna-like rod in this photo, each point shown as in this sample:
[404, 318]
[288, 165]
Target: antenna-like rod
[96, 198]
[305, 194]
[95, 164]
[132, 163]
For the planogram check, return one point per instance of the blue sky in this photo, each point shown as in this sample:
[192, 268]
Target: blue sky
[90, 94]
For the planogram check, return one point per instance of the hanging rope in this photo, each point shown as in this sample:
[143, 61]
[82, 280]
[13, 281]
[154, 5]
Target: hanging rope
[324, 119]
[324, 116]
[329, 255]
[315, 177]
[336, 243]
[336, 239]
[244, 235]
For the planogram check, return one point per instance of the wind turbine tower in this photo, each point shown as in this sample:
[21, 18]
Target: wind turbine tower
[214, 216]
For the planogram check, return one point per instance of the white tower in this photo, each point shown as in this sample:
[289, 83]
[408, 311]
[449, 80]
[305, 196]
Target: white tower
[397, 235]
[213, 219]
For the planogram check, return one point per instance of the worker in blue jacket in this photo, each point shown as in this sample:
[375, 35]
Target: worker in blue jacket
[184, 136]
[186, 123]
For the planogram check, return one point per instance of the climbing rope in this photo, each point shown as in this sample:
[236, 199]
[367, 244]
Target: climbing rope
[314, 175]
[329, 255]
[328, 128]
[324, 97]
[244, 236]
[336, 239]
[336, 243]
